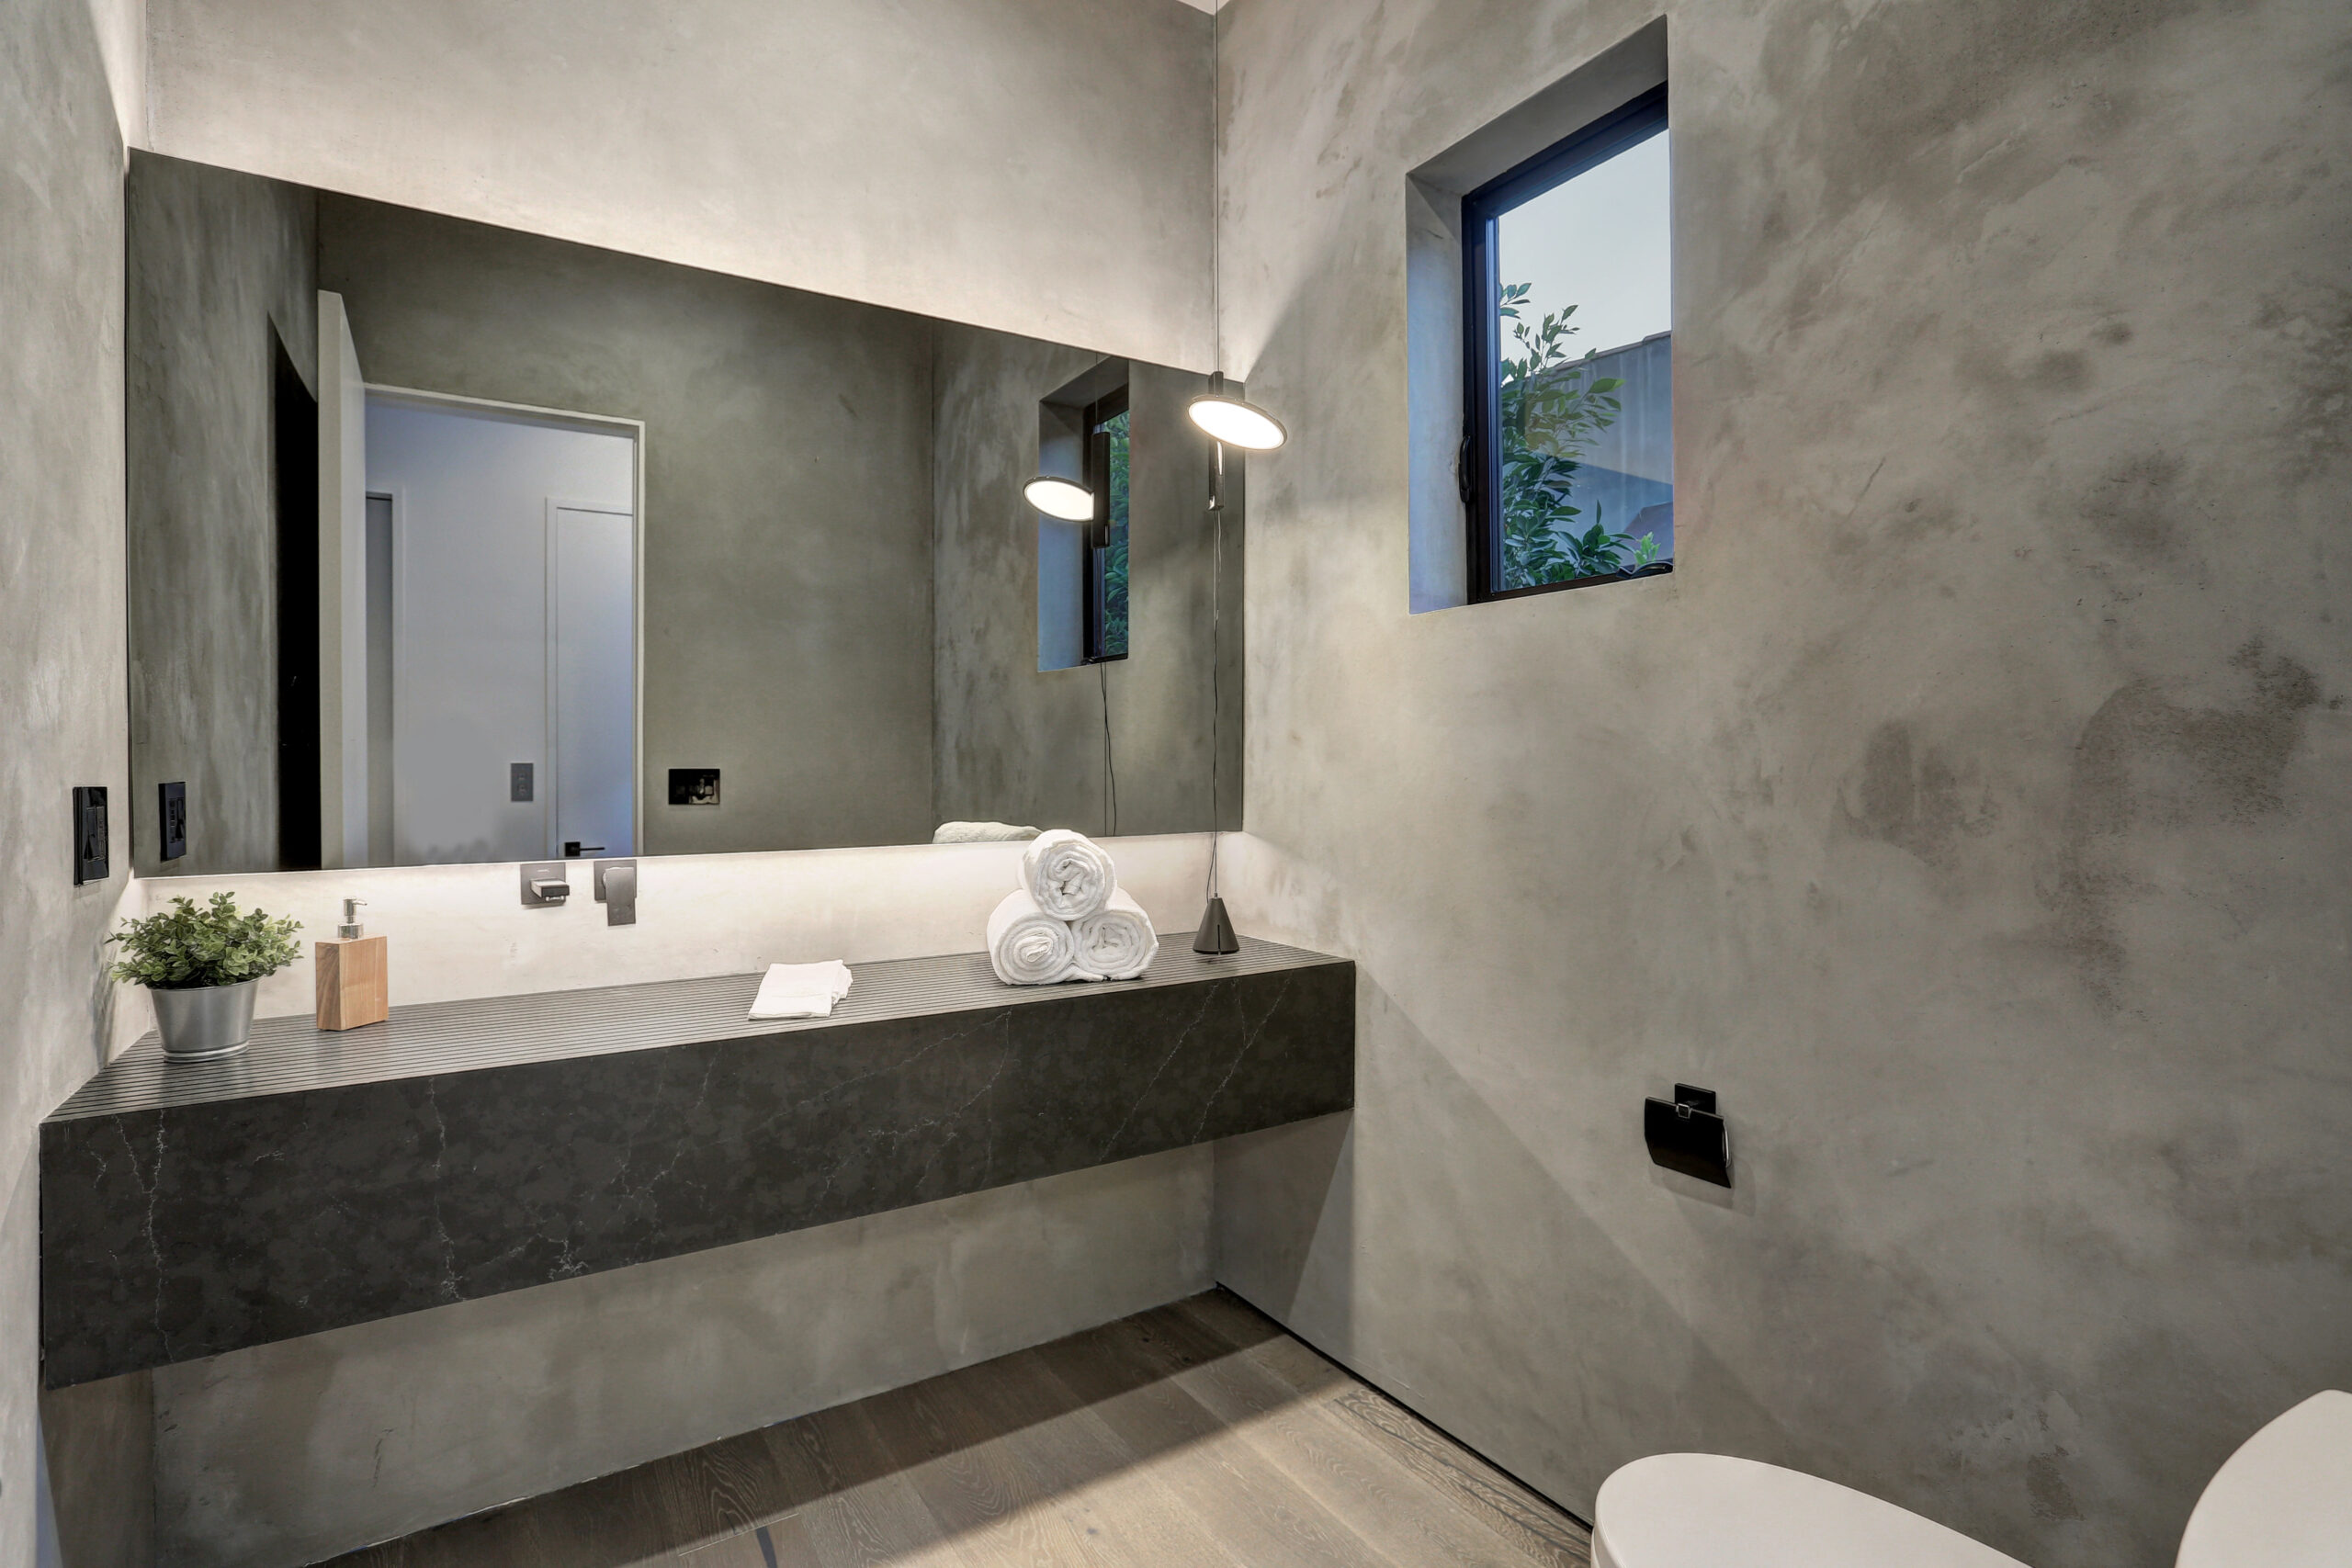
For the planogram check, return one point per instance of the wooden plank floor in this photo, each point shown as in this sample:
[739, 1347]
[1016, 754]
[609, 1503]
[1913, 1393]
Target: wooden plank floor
[1198, 1433]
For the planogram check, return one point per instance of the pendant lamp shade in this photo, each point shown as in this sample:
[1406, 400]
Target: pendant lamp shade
[1234, 421]
[1064, 498]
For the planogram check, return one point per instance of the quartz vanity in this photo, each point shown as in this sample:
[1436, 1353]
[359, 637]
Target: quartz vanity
[464, 1149]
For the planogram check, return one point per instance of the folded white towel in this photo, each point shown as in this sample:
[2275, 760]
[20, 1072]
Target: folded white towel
[982, 833]
[801, 990]
[1116, 942]
[1067, 873]
[1029, 947]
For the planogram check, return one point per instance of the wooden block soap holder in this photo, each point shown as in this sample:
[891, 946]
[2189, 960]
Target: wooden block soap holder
[354, 990]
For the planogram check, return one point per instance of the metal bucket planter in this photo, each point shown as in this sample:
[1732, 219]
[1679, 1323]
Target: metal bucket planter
[201, 1022]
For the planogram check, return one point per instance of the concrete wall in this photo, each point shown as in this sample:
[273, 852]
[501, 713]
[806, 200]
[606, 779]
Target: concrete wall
[1040, 167]
[1973, 806]
[288, 1453]
[221, 271]
[100, 1439]
[1016, 743]
[61, 629]
[787, 500]
[461, 930]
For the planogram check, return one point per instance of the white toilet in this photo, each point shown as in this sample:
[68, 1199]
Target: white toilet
[2283, 1500]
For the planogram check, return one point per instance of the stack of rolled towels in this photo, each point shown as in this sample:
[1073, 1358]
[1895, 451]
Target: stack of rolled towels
[1068, 920]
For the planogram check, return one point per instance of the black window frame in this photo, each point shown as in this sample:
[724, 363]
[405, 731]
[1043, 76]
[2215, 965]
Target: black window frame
[1096, 555]
[1481, 452]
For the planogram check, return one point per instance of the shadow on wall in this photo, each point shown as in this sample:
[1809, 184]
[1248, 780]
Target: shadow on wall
[1293, 1231]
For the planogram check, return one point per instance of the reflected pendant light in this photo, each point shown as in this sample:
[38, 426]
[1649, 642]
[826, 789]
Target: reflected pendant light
[1056, 497]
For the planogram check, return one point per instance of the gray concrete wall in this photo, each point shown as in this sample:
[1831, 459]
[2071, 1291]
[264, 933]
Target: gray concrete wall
[1015, 743]
[222, 268]
[100, 1442]
[787, 500]
[1039, 166]
[291, 1452]
[1973, 806]
[61, 631]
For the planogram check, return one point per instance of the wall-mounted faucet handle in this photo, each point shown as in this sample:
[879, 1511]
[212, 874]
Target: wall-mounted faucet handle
[545, 882]
[616, 886]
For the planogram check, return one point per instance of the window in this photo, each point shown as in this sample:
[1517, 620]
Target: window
[1106, 544]
[1567, 465]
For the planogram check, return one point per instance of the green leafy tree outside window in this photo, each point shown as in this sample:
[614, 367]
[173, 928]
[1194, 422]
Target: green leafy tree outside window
[1114, 557]
[1551, 405]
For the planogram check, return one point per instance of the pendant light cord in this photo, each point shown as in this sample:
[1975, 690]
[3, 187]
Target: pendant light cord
[1217, 601]
[1216, 189]
[1216, 479]
[1110, 770]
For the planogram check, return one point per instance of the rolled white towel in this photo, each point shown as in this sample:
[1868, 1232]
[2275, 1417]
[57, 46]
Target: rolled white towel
[1029, 947]
[1067, 873]
[1116, 942]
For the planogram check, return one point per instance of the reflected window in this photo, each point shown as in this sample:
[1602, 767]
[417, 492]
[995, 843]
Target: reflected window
[1107, 553]
[1569, 464]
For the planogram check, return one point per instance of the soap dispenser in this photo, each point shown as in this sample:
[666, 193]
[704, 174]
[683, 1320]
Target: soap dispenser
[353, 987]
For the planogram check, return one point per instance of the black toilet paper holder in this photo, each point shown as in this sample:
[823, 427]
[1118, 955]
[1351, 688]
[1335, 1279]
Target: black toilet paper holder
[1685, 1134]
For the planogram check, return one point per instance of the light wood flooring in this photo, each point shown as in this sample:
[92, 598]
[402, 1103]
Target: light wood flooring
[1198, 1433]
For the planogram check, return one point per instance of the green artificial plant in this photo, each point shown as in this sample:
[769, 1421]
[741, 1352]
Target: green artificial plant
[184, 947]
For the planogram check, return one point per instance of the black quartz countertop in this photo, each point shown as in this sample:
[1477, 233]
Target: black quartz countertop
[466, 1149]
[290, 1054]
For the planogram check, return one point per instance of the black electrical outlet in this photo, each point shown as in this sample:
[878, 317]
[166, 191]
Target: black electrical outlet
[694, 786]
[89, 833]
[518, 781]
[1686, 1135]
[171, 801]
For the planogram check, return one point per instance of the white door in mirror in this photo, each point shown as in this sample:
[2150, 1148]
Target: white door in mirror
[592, 679]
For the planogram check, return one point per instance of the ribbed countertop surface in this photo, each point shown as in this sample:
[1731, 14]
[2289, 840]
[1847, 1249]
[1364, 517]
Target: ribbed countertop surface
[291, 1055]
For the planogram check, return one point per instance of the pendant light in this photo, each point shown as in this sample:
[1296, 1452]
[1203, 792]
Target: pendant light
[1230, 420]
[1235, 421]
[1057, 497]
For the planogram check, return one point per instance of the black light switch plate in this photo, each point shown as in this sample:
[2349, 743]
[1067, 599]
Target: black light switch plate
[171, 803]
[694, 786]
[89, 833]
[1683, 1137]
[518, 781]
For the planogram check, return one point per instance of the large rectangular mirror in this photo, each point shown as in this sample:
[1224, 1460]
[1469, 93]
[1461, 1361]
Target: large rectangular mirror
[454, 543]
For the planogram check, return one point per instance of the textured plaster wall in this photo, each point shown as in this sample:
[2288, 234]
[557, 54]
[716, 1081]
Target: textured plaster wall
[1016, 743]
[290, 1453]
[462, 930]
[787, 500]
[221, 270]
[1040, 167]
[1973, 808]
[100, 1442]
[61, 678]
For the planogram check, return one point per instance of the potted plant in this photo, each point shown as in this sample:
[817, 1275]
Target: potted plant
[201, 966]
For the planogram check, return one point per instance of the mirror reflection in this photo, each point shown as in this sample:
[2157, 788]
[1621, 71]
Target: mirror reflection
[453, 542]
